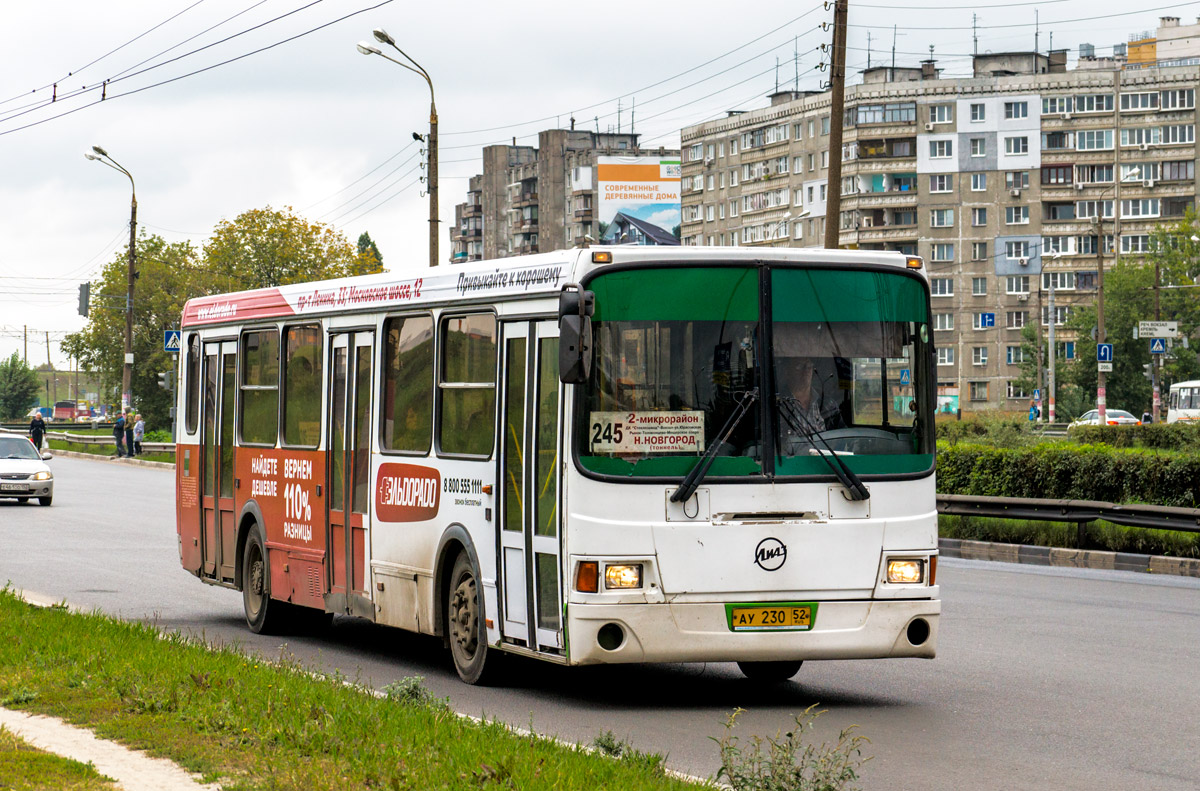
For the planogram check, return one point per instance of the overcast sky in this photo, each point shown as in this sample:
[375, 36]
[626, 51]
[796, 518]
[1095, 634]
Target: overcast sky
[310, 123]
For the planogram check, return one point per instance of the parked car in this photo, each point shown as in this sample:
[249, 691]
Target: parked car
[1113, 417]
[24, 472]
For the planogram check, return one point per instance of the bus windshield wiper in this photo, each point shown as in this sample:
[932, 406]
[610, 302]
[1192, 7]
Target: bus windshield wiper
[693, 478]
[796, 419]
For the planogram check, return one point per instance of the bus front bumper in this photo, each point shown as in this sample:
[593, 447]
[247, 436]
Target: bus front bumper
[700, 632]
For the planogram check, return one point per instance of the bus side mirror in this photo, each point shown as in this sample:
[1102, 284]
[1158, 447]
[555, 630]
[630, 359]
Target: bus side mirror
[575, 308]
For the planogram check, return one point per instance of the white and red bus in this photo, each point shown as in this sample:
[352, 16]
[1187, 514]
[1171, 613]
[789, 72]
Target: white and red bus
[626, 454]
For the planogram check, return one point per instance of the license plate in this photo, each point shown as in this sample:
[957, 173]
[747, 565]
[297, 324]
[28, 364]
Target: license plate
[13, 487]
[785, 616]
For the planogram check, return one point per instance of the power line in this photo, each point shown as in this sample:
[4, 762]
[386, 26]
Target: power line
[1023, 24]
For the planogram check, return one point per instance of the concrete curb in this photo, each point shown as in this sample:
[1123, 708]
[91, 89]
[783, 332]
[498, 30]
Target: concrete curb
[1069, 558]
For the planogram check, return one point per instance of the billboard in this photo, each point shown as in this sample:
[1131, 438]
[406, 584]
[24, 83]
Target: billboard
[639, 199]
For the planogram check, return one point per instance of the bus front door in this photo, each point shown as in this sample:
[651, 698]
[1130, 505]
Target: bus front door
[530, 550]
[218, 529]
[349, 471]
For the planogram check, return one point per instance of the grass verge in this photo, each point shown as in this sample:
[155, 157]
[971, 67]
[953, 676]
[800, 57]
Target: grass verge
[1100, 535]
[250, 724]
[105, 450]
[26, 768]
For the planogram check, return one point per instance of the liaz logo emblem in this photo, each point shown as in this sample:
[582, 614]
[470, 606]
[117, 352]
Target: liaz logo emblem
[770, 554]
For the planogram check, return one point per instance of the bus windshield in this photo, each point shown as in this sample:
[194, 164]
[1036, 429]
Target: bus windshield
[677, 357]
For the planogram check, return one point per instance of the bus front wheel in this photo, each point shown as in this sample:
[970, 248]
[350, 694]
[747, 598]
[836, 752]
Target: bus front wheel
[263, 614]
[774, 672]
[464, 624]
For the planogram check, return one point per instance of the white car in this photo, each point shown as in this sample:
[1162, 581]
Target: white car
[23, 471]
[1112, 417]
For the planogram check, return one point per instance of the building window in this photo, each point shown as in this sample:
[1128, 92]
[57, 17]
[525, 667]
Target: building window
[824, 124]
[1179, 171]
[941, 218]
[941, 113]
[1014, 391]
[1056, 105]
[1061, 281]
[1016, 284]
[1015, 110]
[942, 286]
[943, 321]
[1061, 312]
[1094, 103]
[1016, 215]
[1016, 179]
[941, 149]
[1015, 355]
[1016, 250]
[1180, 134]
[978, 182]
[978, 147]
[1182, 99]
[978, 286]
[1135, 243]
[978, 112]
[979, 216]
[945, 355]
[941, 182]
[1016, 319]
[1094, 140]
[1016, 146]
[979, 355]
[942, 253]
[979, 251]
[1139, 102]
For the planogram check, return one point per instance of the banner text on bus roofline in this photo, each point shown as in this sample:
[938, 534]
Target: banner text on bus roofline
[509, 279]
[349, 296]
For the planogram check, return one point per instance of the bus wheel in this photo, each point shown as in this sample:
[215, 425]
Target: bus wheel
[263, 615]
[769, 671]
[464, 616]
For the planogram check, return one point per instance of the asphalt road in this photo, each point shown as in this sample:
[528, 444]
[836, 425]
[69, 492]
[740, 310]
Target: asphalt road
[1045, 679]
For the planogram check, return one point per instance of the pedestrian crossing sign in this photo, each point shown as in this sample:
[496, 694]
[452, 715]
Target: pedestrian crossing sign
[1158, 346]
[170, 340]
[905, 377]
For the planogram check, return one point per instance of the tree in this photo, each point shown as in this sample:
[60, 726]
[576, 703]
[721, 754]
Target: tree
[18, 388]
[168, 275]
[268, 247]
[367, 247]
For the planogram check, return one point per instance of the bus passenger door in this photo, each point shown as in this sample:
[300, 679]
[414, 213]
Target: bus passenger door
[218, 529]
[349, 471]
[530, 550]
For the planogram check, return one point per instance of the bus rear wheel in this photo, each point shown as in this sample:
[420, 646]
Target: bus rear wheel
[465, 622]
[771, 672]
[263, 614]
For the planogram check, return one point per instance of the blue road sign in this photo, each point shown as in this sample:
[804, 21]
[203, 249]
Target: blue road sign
[987, 319]
[1037, 395]
[1158, 345]
[905, 377]
[1104, 353]
[170, 340]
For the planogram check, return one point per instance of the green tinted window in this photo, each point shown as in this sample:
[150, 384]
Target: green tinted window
[408, 383]
[302, 387]
[260, 387]
[468, 384]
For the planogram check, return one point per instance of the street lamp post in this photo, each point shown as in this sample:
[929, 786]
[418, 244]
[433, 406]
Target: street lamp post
[102, 156]
[431, 140]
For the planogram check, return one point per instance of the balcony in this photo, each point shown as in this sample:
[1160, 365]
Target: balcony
[469, 233]
[525, 199]
[525, 248]
[906, 164]
[888, 198]
[584, 215]
[472, 210]
[524, 225]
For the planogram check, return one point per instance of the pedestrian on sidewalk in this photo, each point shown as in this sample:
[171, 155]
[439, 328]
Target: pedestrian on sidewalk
[139, 433]
[129, 433]
[119, 434]
[37, 430]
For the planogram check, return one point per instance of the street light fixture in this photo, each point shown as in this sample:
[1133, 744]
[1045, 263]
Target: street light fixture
[431, 140]
[104, 158]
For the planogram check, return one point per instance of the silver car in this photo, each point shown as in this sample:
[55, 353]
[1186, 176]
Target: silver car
[23, 471]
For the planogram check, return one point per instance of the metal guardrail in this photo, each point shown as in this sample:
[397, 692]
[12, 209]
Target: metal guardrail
[1160, 517]
[93, 439]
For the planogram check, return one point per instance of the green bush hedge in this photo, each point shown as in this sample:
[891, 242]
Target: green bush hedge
[1064, 471]
[1165, 436]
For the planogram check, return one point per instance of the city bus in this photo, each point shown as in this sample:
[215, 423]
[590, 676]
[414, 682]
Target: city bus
[599, 455]
[1183, 402]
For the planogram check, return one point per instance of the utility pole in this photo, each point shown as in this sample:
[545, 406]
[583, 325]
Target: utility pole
[1156, 359]
[1053, 353]
[50, 365]
[1101, 379]
[837, 112]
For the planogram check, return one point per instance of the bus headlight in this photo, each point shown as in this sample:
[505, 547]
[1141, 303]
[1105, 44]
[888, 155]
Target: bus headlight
[628, 575]
[905, 571]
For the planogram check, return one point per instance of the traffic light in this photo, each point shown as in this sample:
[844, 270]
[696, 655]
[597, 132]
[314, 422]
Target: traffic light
[166, 381]
[85, 290]
[1148, 371]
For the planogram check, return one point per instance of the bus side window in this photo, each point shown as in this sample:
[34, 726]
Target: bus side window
[468, 385]
[407, 401]
[192, 383]
[259, 416]
[302, 386]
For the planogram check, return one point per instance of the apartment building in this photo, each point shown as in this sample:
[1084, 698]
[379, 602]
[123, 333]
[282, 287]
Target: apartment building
[1025, 176]
[536, 199]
